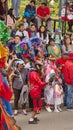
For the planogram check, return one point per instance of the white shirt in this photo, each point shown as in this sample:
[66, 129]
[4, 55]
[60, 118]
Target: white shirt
[24, 32]
[46, 40]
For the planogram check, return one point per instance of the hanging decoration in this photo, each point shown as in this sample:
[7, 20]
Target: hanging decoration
[4, 32]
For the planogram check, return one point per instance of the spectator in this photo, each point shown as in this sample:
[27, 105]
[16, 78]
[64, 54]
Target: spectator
[43, 14]
[24, 21]
[22, 32]
[57, 36]
[12, 46]
[67, 15]
[30, 13]
[54, 49]
[19, 80]
[16, 7]
[67, 45]
[70, 23]
[32, 31]
[68, 77]
[61, 61]
[11, 19]
[2, 9]
[43, 35]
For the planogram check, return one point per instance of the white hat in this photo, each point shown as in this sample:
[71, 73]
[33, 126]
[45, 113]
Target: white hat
[19, 61]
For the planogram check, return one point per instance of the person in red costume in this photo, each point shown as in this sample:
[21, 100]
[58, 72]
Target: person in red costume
[5, 94]
[35, 90]
[43, 14]
[61, 61]
[7, 122]
[68, 77]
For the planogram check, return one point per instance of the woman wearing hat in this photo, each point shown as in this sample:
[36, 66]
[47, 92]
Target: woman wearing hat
[19, 81]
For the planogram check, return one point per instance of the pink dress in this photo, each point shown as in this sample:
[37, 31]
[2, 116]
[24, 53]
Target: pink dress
[48, 91]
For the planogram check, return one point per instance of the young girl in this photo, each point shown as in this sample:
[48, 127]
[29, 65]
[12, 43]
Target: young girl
[58, 90]
[11, 21]
[49, 91]
[43, 35]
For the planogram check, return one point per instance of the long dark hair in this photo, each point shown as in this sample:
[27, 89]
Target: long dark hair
[11, 14]
[44, 33]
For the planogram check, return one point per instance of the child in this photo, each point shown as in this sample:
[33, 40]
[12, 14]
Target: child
[57, 36]
[58, 90]
[24, 20]
[49, 70]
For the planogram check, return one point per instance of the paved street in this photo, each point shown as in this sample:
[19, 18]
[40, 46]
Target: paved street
[48, 121]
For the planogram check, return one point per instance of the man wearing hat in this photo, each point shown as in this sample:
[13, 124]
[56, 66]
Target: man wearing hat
[68, 77]
[61, 61]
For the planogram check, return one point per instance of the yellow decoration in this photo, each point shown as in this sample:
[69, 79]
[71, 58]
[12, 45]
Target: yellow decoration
[3, 51]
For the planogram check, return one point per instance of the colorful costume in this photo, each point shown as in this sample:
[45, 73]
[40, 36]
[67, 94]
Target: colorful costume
[49, 91]
[6, 121]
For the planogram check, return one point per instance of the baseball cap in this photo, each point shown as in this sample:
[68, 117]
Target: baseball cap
[65, 53]
[57, 30]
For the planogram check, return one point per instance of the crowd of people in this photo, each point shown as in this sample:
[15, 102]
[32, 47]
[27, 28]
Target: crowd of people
[38, 63]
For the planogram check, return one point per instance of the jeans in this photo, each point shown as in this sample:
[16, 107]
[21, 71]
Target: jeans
[16, 7]
[65, 94]
[69, 95]
[48, 23]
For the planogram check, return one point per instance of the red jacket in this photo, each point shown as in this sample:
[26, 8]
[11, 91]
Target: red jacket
[36, 84]
[43, 12]
[68, 72]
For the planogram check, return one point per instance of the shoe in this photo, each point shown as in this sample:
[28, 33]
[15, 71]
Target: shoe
[15, 112]
[36, 119]
[32, 122]
[59, 109]
[56, 110]
[24, 112]
[70, 109]
[48, 109]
